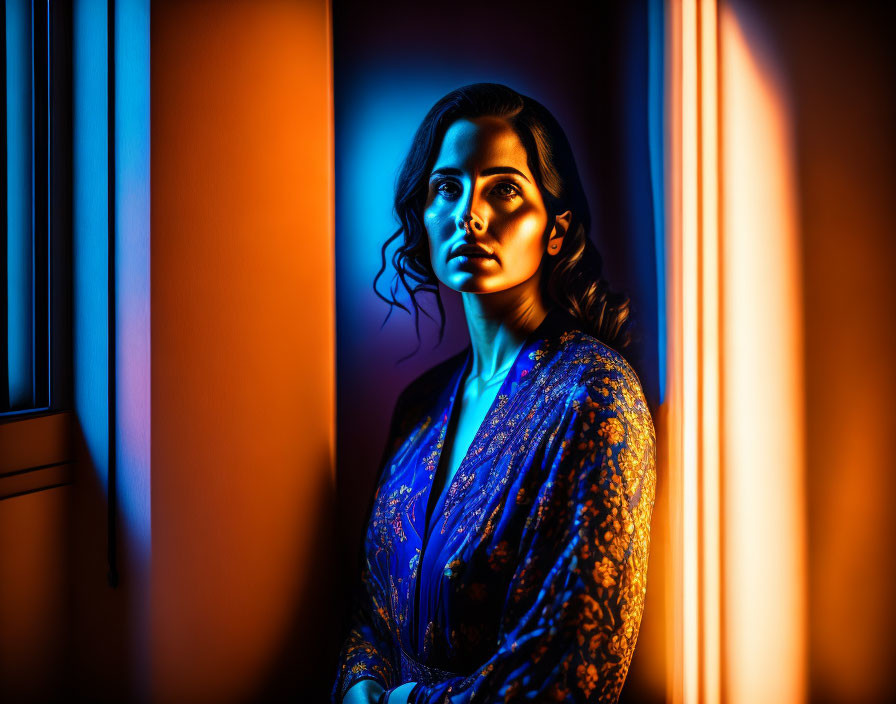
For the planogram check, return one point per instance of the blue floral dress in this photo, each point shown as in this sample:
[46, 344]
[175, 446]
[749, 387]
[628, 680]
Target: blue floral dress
[527, 580]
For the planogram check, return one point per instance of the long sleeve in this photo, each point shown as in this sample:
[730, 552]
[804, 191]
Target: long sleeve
[367, 650]
[574, 604]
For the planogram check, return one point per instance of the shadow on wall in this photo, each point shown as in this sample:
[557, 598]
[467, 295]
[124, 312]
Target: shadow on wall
[65, 634]
[101, 656]
[297, 669]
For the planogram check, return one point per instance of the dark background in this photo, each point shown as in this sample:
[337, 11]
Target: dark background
[588, 63]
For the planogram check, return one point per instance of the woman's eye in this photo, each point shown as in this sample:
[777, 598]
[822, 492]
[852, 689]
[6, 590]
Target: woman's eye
[506, 190]
[448, 189]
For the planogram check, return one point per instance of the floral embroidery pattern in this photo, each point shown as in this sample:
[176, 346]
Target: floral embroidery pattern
[530, 583]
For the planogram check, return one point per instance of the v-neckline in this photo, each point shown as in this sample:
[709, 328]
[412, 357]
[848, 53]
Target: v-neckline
[449, 429]
[450, 424]
[514, 374]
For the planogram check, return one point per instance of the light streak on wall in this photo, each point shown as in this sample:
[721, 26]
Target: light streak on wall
[671, 431]
[762, 407]
[710, 470]
[684, 419]
[132, 269]
[90, 235]
[132, 309]
[735, 431]
[690, 223]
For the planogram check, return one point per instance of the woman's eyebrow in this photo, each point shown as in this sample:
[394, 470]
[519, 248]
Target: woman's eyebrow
[491, 171]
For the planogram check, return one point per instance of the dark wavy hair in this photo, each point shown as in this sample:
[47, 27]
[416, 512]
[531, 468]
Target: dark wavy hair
[572, 278]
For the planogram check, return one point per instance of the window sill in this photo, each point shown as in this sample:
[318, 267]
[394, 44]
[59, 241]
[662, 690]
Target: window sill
[37, 453]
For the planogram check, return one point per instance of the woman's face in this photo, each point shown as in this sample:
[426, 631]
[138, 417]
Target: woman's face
[482, 196]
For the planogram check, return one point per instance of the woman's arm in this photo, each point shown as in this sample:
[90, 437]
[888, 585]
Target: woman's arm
[574, 606]
[366, 655]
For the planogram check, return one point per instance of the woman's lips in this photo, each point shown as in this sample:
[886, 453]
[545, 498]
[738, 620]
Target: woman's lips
[472, 259]
[472, 252]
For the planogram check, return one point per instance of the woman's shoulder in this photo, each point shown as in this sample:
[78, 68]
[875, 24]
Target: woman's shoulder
[600, 366]
[607, 391]
[420, 392]
[415, 400]
[433, 379]
[610, 408]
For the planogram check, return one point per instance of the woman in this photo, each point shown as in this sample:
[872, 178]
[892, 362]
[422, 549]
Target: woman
[506, 552]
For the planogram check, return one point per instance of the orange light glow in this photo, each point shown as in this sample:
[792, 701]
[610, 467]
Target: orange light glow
[690, 235]
[735, 431]
[694, 353]
[709, 359]
[762, 408]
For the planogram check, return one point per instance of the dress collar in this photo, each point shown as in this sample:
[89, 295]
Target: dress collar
[556, 322]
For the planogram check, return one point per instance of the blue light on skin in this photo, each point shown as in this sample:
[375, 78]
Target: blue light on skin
[481, 176]
[375, 119]
[483, 195]
[19, 203]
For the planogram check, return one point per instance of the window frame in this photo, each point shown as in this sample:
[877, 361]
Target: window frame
[37, 441]
[51, 224]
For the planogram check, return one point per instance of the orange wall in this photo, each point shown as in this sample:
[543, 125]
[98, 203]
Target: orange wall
[841, 65]
[35, 633]
[834, 61]
[33, 595]
[242, 351]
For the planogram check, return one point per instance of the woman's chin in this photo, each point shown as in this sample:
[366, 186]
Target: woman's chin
[470, 282]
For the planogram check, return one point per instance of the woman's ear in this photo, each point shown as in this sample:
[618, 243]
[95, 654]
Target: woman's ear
[561, 225]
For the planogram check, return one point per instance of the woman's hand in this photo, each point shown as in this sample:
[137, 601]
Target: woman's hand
[363, 692]
[368, 692]
[399, 695]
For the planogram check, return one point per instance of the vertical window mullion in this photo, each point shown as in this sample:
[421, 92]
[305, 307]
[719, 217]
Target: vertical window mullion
[4, 244]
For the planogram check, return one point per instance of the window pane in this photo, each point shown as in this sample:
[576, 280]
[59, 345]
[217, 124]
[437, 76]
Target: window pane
[18, 204]
[24, 255]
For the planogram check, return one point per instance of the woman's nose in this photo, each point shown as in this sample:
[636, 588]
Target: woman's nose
[469, 218]
[471, 223]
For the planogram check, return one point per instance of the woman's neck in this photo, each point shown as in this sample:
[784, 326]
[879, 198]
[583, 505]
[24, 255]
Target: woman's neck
[498, 327]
